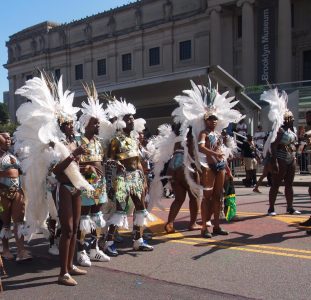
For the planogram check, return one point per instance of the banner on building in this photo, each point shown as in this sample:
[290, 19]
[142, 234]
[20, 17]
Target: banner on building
[267, 13]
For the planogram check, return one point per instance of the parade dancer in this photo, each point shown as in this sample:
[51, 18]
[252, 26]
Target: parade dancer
[168, 148]
[208, 113]
[12, 200]
[129, 180]
[47, 130]
[91, 164]
[281, 145]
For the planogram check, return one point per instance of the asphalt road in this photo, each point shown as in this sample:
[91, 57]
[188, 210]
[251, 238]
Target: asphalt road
[262, 258]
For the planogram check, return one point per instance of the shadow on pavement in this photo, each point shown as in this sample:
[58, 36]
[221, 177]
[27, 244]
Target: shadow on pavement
[41, 263]
[247, 240]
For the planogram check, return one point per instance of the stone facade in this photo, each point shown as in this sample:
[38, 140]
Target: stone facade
[147, 50]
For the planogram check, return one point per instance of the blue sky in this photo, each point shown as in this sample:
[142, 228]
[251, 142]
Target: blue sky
[16, 15]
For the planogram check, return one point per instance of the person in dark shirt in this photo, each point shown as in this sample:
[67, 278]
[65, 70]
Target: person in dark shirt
[250, 161]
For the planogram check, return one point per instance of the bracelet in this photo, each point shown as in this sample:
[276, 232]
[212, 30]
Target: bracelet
[71, 156]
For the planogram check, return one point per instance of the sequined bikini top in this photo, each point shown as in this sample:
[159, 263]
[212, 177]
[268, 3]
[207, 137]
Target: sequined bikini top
[288, 137]
[94, 150]
[6, 163]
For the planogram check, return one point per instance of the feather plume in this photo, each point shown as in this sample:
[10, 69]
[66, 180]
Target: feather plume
[161, 148]
[278, 106]
[92, 108]
[39, 121]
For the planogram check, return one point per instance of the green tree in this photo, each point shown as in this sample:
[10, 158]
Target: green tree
[4, 114]
[8, 127]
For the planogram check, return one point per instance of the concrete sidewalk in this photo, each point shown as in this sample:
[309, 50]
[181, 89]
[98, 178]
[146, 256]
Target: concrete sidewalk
[300, 179]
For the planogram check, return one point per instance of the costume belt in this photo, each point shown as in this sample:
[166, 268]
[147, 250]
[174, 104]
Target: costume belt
[9, 192]
[91, 158]
[99, 185]
[9, 187]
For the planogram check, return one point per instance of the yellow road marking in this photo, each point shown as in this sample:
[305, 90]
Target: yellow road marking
[157, 228]
[246, 249]
[252, 245]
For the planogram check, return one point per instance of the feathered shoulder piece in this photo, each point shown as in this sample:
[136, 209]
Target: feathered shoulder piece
[160, 148]
[278, 107]
[40, 119]
[278, 110]
[91, 108]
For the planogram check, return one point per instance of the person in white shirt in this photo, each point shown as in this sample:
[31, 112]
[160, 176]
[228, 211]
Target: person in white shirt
[241, 128]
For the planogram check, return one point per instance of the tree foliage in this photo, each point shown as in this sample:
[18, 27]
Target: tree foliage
[8, 127]
[4, 114]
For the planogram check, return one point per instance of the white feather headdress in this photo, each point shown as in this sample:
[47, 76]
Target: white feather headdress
[201, 102]
[92, 108]
[118, 109]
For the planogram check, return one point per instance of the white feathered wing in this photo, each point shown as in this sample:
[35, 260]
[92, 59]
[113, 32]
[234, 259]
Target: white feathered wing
[38, 127]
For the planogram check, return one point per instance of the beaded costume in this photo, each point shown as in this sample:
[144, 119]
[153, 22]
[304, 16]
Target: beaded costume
[125, 178]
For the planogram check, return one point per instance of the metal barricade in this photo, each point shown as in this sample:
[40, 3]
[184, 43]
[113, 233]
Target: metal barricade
[304, 162]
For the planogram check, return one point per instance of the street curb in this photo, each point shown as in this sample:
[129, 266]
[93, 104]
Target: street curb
[295, 183]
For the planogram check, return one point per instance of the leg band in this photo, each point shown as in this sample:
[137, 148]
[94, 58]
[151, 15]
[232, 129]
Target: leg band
[98, 220]
[142, 217]
[86, 224]
[119, 219]
[5, 233]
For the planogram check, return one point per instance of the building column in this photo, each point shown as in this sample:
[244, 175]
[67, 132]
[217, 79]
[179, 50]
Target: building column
[248, 43]
[215, 36]
[11, 104]
[284, 59]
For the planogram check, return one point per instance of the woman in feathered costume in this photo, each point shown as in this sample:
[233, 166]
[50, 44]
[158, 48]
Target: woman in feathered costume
[47, 131]
[129, 180]
[91, 164]
[167, 146]
[208, 112]
[12, 200]
[281, 146]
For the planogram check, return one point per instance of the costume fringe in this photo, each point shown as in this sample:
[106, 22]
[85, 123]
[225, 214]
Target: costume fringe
[5, 233]
[22, 229]
[119, 219]
[98, 220]
[86, 224]
[142, 217]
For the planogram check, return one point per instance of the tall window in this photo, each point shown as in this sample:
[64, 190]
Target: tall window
[126, 62]
[57, 74]
[101, 67]
[79, 72]
[185, 50]
[154, 56]
[307, 65]
[29, 77]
